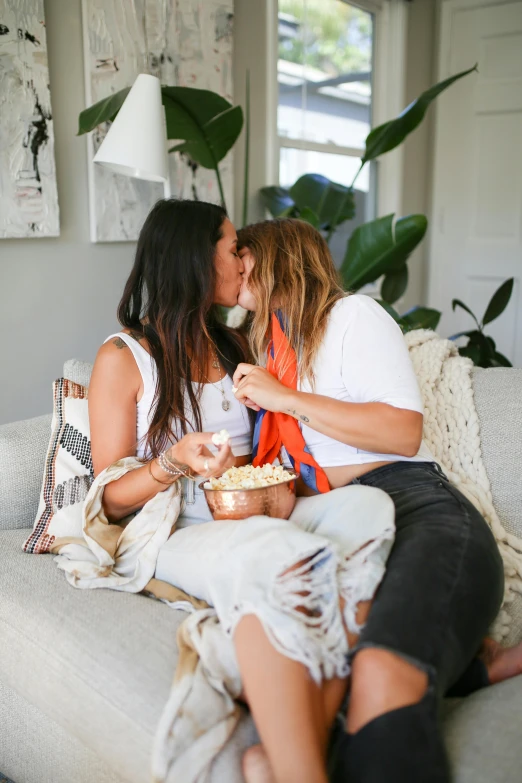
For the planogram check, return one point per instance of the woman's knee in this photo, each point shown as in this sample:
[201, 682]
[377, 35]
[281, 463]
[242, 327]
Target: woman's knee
[388, 676]
[382, 681]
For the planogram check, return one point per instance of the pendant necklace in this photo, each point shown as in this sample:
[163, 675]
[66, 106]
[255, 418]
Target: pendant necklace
[225, 403]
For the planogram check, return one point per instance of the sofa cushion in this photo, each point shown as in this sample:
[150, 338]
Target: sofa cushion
[77, 371]
[99, 662]
[23, 446]
[36, 749]
[68, 472]
[483, 734]
[498, 400]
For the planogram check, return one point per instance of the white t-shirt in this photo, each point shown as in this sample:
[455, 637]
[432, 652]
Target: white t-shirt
[363, 358]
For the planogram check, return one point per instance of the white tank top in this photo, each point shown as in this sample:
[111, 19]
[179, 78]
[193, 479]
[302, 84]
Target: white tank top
[213, 417]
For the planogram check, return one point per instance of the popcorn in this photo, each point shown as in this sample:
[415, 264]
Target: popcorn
[249, 477]
[220, 438]
[234, 389]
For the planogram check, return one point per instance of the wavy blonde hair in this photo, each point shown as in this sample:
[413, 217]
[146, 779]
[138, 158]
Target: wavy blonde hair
[293, 272]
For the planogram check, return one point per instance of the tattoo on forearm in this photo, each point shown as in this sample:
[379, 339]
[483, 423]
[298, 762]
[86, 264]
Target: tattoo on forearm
[299, 416]
[119, 343]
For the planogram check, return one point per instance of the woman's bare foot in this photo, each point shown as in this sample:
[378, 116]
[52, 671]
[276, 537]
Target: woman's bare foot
[256, 767]
[501, 662]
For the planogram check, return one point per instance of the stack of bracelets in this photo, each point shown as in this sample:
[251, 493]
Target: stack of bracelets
[173, 469]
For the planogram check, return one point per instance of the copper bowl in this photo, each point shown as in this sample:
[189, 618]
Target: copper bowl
[277, 500]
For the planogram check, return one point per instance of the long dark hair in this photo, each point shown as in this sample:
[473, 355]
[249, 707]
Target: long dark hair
[169, 299]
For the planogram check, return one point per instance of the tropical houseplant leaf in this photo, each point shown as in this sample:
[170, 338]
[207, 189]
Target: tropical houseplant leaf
[458, 303]
[278, 201]
[211, 142]
[378, 247]
[103, 111]
[420, 318]
[416, 318]
[389, 135]
[309, 216]
[499, 301]
[394, 284]
[331, 202]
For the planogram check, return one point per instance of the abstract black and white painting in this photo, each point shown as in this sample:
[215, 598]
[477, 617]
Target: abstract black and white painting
[183, 42]
[28, 191]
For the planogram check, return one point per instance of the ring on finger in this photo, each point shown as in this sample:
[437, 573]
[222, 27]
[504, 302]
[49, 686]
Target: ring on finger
[206, 466]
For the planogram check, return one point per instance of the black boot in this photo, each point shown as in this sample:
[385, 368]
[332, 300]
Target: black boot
[401, 746]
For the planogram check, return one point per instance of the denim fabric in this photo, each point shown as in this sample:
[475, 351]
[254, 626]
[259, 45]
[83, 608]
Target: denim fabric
[444, 580]
[443, 587]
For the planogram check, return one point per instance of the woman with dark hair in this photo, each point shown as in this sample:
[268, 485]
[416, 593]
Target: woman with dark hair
[289, 592]
[355, 398]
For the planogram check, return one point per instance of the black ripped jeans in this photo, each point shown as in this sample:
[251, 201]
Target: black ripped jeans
[443, 587]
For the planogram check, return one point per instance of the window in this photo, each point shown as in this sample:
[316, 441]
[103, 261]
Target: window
[325, 66]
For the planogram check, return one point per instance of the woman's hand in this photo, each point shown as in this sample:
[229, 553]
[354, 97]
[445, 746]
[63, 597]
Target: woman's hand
[192, 451]
[257, 388]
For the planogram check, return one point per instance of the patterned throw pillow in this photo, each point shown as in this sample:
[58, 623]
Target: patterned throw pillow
[68, 471]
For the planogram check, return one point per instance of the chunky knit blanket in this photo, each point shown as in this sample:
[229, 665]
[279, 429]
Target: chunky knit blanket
[452, 433]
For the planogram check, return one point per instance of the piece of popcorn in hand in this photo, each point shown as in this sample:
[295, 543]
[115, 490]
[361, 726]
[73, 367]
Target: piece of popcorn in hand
[234, 389]
[220, 438]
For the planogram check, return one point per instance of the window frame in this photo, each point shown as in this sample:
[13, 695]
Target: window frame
[388, 94]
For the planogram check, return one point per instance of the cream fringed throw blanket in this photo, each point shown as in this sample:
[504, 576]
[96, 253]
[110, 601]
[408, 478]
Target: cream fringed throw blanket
[451, 432]
[201, 713]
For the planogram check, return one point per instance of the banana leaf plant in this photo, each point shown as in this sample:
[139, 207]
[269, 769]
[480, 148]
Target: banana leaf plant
[379, 248]
[205, 125]
[480, 347]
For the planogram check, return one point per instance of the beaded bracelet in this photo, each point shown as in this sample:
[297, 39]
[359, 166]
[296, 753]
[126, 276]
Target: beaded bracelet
[165, 460]
[167, 466]
[165, 483]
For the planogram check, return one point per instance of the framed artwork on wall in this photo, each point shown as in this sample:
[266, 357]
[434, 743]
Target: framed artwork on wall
[28, 189]
[184, 43]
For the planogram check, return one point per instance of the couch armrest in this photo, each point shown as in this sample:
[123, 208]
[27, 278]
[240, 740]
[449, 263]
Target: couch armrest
[23, 448]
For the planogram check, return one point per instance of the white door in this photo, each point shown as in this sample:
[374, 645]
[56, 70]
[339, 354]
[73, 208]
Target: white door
[476, 220]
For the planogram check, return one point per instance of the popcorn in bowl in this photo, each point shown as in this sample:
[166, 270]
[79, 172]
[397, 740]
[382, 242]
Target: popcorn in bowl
[249, 477]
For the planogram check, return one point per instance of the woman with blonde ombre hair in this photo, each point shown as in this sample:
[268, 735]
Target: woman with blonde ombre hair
[335, 368]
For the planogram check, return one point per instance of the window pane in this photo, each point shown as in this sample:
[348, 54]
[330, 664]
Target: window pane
[324, 71]
[293, 163]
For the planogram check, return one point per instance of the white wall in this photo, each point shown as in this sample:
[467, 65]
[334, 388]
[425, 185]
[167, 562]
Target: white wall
[58, 297]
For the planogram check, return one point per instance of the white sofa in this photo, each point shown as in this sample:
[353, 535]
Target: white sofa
[58, 725]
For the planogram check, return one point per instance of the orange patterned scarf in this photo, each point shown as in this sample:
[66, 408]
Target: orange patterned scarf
[274, 430]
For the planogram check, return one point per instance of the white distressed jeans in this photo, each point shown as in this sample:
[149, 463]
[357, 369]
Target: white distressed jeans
[291, 574]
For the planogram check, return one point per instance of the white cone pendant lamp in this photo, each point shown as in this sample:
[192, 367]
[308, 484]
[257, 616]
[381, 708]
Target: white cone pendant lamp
[136, 144]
